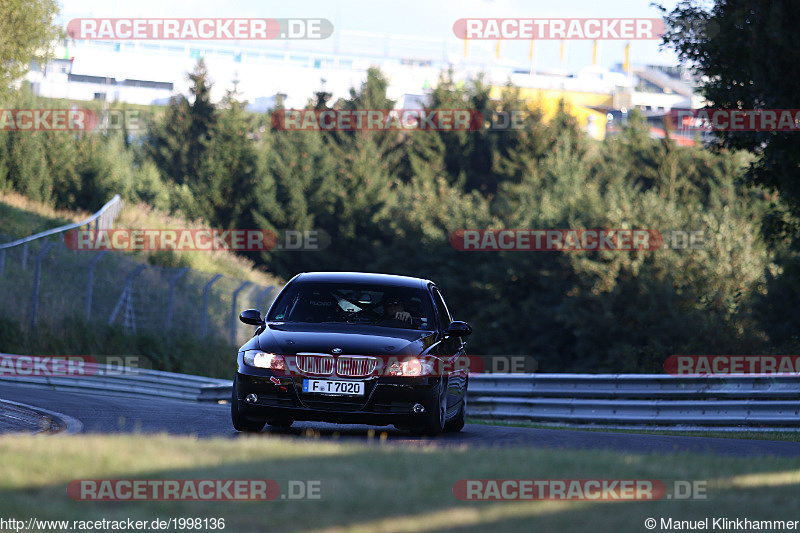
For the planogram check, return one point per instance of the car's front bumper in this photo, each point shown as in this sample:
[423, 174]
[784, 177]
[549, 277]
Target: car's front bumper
[387, 400]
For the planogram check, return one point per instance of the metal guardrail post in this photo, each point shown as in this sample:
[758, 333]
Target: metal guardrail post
[2, 262]
[206, 290]
[126, 292]
[172, 282]
[36, 273]
[234, 314]
[90, 282]
[24, 256]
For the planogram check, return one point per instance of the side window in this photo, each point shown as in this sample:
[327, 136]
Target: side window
[441, 308]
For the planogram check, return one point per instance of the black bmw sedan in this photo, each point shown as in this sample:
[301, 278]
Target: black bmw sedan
[353, 348]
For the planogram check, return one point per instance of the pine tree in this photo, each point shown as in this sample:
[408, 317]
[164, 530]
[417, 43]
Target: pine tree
[223, 192]
[179, 142]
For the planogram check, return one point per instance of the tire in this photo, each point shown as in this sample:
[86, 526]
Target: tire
[280, 422]
[240, 422]
[456, 424]
[435, 419]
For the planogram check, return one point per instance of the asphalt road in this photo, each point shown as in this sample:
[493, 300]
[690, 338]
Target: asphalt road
[116, 414]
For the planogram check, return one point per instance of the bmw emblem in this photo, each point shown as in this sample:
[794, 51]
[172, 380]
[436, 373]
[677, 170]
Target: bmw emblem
[336, 351]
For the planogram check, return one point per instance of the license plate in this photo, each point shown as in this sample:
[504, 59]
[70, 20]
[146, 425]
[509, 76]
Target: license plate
[326, 386]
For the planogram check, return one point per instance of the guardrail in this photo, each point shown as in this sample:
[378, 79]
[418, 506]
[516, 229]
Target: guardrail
[729, 400]
[102, 219]
[724, 400]
[124, 380]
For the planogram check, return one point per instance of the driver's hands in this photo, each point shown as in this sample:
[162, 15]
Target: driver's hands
[403, 315]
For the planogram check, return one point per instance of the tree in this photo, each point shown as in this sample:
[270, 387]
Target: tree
[179, 142]
[483, 159]
[27, 33]
[469, 156]
[203, 112]
[296, 185]
[230, 168]
[370, 96]
[746, 52]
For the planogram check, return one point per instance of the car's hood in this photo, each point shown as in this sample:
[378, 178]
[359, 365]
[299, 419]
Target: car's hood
[292, 338]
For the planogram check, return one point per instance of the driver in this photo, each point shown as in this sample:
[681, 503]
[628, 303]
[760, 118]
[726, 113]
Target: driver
[395, 314]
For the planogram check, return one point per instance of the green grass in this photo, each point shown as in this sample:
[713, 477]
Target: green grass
[212, 357]
[20, 217]
[380, 486]
[142, 216]
[787, 436]
[61, 327]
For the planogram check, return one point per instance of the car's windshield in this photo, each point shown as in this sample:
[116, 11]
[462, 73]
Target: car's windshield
[377, 305]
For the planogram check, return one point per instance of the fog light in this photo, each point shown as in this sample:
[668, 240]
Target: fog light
[418, 408]
[251, 398]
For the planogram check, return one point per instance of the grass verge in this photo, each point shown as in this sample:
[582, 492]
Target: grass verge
[787, 436]
[212, 357]
[21, 216]
[227, 263]
[379, 487]
[61, 328]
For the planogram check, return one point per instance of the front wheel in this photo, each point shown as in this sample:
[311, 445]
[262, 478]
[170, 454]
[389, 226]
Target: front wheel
[280, 422]
[456, 424]
[240, 422]
[435, 419]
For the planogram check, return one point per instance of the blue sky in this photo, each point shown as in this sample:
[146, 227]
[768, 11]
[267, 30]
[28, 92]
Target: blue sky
[420, 18]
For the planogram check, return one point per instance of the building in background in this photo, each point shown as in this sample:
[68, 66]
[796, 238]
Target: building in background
[150, 72]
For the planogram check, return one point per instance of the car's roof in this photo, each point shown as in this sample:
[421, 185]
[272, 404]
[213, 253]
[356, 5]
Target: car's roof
[363, 277]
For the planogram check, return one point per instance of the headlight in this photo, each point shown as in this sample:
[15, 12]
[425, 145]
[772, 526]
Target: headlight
[260, 359]
[411, 367]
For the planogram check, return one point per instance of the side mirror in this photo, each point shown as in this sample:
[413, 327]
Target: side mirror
[457, 328]
[251, 316]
